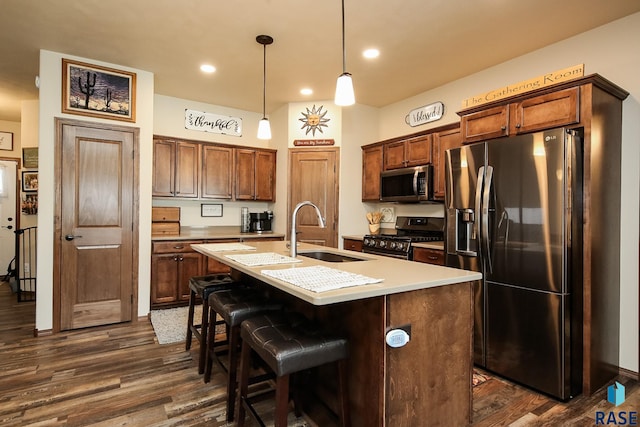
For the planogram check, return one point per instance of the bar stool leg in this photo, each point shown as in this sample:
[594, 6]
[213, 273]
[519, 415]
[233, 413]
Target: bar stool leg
[282, 401]
[192, 301]
[203, 334]
[345, 416]
[232, 380]
[245, 366]
[208, 357]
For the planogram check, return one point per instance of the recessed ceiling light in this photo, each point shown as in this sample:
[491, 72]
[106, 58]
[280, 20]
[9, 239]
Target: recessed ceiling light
[306, 91]
[207, 68]
[371, 53]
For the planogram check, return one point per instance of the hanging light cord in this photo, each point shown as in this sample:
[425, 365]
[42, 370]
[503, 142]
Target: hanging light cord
[344, 49]
[264, 80]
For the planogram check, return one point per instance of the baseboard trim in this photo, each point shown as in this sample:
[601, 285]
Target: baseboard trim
[42, 333]
[629, 374]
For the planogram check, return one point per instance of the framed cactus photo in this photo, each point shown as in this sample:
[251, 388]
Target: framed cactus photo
[92, 90]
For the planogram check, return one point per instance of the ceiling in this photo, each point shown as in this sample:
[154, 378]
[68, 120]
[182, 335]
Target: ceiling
[423, 43]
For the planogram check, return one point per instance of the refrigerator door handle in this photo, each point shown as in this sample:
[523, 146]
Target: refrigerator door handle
[485, 216]
[478, 213]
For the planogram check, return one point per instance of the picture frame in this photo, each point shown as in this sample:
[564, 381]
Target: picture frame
[211, 210]
[95, 91]
[30, 157]
[29, 181]
[6, 141]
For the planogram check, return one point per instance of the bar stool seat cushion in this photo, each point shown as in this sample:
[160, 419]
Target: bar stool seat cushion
[204, 286]
[290, 343]
[236, 305]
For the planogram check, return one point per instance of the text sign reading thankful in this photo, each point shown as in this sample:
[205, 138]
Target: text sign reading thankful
[426, 114]
[209, 122]
[525, 86]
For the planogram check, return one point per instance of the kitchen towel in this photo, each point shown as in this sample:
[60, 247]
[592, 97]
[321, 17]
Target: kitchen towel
[266, 258]
[221, 247]
[319, 278]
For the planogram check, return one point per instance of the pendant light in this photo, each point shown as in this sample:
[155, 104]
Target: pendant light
[344, 86]
[264, 128]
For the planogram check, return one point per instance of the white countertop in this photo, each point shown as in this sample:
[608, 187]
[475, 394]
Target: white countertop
[398, 275]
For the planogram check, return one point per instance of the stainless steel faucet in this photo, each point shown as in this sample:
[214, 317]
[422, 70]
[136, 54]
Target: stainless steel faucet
[293, 243]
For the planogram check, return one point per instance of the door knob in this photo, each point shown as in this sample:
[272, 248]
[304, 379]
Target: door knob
[70, 237]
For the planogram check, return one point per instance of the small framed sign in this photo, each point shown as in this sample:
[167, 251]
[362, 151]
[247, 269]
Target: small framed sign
[30, 157]
[6, 141]
[211, 209]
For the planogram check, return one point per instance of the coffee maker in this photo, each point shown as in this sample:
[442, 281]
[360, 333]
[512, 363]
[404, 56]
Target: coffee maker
[260, 222]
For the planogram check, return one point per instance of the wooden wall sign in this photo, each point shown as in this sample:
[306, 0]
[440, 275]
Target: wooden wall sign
[215, 123]
[312, 142]
[536, 83]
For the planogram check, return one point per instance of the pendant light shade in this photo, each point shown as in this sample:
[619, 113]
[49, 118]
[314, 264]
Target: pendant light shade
[264, 128]
[344, 86]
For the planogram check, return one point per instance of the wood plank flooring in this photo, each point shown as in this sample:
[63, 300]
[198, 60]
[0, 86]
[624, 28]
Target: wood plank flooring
[119, 375]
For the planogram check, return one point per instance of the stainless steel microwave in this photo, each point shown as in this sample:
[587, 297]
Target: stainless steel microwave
[407, 185]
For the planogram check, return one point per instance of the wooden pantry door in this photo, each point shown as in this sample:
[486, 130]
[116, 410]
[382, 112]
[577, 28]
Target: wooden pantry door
[96, 247]
[313, 176]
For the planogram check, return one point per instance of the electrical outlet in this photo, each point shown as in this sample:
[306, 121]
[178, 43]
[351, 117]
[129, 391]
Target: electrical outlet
[27, 268]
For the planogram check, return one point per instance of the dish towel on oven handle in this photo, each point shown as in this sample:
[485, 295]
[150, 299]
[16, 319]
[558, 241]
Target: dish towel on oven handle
[319, 278]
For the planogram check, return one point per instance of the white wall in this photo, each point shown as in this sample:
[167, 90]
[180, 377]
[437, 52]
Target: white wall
[50, 108]
[611, 51]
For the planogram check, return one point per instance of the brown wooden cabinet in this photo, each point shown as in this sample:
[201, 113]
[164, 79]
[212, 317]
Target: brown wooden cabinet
[173, 263]
[255, 174]
[175, 168]
[352, 245]
[544, 111]
[429, 256]
[442, 141]
[217, 172]
[371, 168]
[408, 152]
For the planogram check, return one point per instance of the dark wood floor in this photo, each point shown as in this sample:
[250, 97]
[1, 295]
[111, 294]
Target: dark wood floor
[119, 375]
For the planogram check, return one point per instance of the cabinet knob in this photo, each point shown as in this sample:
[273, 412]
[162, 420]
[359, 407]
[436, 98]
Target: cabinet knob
[518, 126]
[503, 128]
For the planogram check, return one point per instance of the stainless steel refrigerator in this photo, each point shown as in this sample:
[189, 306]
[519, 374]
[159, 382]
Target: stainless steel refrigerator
[514, 212]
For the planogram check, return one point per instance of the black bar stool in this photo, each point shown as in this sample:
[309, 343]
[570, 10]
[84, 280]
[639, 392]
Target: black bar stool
[203, 286]
[289, 344]
[234, 306]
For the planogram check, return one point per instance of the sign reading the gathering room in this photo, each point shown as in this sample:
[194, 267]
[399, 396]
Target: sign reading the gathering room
[536, 83]
[426, 114]
[215, 123]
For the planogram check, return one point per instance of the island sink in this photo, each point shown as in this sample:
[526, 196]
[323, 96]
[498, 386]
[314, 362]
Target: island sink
[329, 256]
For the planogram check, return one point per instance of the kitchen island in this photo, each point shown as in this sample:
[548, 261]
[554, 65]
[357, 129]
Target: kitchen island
[425, 382]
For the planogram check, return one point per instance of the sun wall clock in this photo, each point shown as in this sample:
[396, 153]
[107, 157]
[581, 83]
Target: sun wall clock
[314, 120]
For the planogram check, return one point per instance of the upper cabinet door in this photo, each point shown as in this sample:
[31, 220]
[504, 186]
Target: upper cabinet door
[217, 172]
[371, 168]
[245, 174]
[265, 175]
[164, 161]
[547, 111]
[187, 162]
[442, 141]
[486, 124]
[418, 150]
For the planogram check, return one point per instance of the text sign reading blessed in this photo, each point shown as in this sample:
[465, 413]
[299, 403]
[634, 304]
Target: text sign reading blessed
[525, 86]
[426, 114]
[209, 122]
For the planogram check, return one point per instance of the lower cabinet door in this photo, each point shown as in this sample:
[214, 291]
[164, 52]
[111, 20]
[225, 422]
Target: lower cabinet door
[164, 271]
[189, 265]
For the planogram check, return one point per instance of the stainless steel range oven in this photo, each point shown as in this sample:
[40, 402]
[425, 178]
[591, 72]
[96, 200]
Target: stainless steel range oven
[408, 230]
